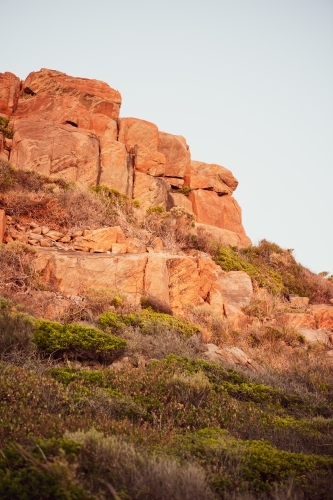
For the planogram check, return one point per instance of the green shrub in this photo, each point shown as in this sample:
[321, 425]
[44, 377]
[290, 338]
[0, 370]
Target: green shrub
[76, 341]
[148, 321]
[253, 465]
[192, 388]
[25, 474]
[5, 128]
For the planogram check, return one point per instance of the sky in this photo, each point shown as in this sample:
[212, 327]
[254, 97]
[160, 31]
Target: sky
[248, 83]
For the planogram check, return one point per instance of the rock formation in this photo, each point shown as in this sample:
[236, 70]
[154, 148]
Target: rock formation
[69, 128]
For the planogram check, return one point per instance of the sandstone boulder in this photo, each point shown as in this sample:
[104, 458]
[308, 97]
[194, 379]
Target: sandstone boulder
[220, 211]
[100, 239]
[148, 161]
[94, 95]
[150, 191]
[184, 283]
[236, 288]
[72, 272]
[176, 152]
[179, 200]
[296, 320]
[116, 170]
[133, 132]
[9, 92]
[156, 280]
[314, 336]
[323, 314]
[231, 355]
[210, 176]
[2, 225]
[60, 151]
[222, 236]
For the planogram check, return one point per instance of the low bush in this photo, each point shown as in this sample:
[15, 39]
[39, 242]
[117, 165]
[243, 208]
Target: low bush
[254, 465]
[192, 388]
[175, 227]
[76, 341]
[5, 128]
[149, 322]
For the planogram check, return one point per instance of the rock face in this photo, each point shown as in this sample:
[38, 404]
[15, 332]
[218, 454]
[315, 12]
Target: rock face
[9, 92]
[175, 280]
[56, 151]
[2, 225]
[69, 128]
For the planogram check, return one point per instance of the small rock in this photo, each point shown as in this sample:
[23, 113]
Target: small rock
[36, 230]
[45, 229]
[44, 243]
[65, 239]
[119, 248]
[55, 235]
[76, 234]
[86, 233]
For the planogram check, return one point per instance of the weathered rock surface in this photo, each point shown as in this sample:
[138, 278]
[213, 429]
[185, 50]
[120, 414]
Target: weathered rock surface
[223, 236]
[176, 152]
[149, 161]
[100, 239]
[314, 336]
[210, 176]
[2, 225]
[60, 151]
[133, 132]
[220, 211]
[297, 320]
[9, 92]
[179, 200]
[150, 191]
[94, 95]
[232, 355]
[323, 314]
[116, 170]
[176, 281]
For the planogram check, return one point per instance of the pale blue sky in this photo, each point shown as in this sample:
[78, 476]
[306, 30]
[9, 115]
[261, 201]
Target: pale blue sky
[249, 83]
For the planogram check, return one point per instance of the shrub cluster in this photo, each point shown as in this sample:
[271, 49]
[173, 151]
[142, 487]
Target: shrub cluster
[148, 321]
[76, 341]
[276, 269]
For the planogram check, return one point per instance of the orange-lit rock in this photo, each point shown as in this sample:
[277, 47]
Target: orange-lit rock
[133, 132]
[9, 92]
[323, 314]
[210, 176]
[60, 151]
[224, 237]
[116, 171]
[150, 191]
[149, 161]
[220, 211]
[176, 152]
[179, 200]
[296, 320]
[2, 225]
[96, 96]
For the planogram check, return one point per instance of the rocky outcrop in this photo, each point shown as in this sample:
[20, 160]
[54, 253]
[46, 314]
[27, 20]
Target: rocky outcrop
[68, 127]
[60, 151]
[9, 92]
[177, 281]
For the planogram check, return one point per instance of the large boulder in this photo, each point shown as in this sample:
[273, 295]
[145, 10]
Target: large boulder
[220, 211]
[176, 281]
[116, 167]
[210, 176]
[223, 237]
[96, 96]
[323, 314]
[133, 132]
[150, 191]
[9, 92]
[60, 151]
[179, 200]
[148, 161]
[176, 152]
